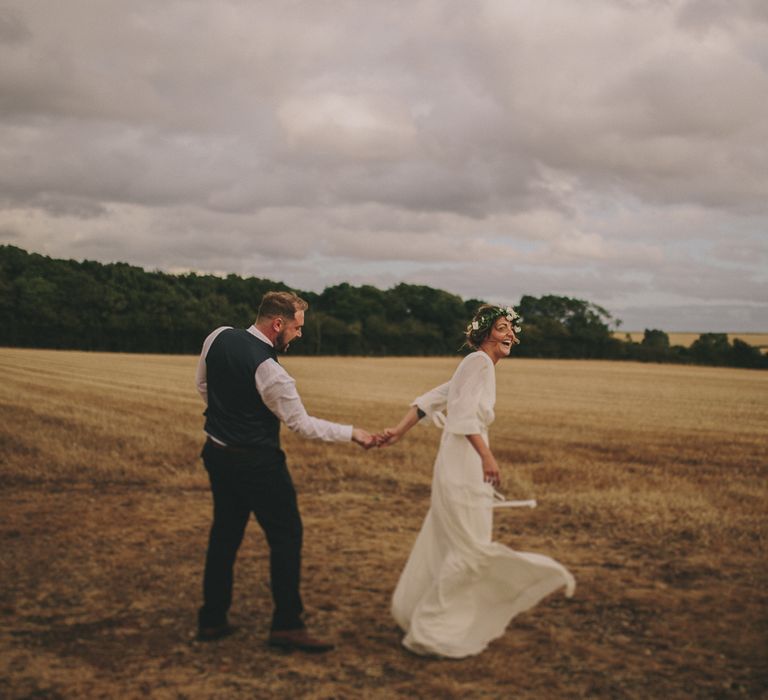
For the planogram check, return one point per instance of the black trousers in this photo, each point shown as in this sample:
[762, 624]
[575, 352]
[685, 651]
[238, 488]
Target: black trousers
[243, 483]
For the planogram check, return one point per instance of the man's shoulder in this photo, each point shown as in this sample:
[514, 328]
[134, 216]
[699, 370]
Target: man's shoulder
[274, 370]
[211, 337]
[242, 342]
[239, 335]
[217, 331]
[233, 332]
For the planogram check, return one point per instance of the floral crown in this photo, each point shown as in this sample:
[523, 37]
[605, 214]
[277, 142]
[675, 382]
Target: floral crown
[484, 321]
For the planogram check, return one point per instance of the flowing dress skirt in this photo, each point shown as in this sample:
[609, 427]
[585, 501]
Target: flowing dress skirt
[459, 589]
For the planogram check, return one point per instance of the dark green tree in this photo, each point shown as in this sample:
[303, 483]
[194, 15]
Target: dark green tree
[743, 354]
[710, 348]
[655, 339]
[88, 305]
[556, 326]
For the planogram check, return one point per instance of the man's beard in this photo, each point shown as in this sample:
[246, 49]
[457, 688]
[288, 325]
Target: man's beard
[280, 343]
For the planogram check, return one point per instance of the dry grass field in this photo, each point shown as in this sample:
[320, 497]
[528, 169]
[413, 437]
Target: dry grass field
[652, 489]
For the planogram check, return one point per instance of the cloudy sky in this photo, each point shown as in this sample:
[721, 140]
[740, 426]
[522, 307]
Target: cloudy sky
[612, 150]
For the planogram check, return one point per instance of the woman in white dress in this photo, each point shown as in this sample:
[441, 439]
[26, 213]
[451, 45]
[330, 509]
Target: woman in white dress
[459, 589]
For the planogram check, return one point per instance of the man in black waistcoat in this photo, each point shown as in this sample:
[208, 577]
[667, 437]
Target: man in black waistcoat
[248, 394]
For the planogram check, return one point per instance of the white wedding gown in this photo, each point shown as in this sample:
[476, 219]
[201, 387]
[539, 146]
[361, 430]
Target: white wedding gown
[459, 589]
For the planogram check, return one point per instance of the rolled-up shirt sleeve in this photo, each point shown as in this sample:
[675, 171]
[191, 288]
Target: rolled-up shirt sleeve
[278, 391]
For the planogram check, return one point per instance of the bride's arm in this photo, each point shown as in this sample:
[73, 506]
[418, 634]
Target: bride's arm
[491, 474]
[425, 405]
[389, 436]
[473, 381]
[433, 401]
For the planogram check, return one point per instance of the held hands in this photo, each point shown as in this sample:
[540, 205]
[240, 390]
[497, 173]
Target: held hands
[387, 437]
[384, 438]
[364, 438]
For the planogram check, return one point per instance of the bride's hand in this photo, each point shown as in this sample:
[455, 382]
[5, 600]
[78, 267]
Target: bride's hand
[387, 437]
[491, 474]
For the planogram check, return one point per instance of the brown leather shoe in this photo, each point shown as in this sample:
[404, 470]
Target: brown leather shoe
[297, 639]
[211, 634]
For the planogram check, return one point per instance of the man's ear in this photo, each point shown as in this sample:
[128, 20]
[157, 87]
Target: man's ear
[277, 324]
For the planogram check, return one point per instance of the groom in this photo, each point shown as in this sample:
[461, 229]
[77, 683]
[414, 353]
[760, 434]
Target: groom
[248, 394]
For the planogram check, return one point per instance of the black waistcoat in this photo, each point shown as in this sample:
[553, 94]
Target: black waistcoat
[236, 414]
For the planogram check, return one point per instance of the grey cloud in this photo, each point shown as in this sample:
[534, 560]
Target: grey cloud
[10, 234]
[709, 282]
[750, 251]
[12, 28]
[590, 147]
[713, 14]
[474, 123]
[696, 319]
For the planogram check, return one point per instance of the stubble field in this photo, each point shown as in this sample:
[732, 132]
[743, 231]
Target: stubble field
[652, 490]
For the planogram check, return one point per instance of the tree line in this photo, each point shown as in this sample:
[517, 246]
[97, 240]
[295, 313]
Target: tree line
[66, 304]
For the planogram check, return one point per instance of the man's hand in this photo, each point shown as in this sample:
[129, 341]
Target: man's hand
[363, 438]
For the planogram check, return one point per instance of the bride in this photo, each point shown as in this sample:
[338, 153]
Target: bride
[459, 589]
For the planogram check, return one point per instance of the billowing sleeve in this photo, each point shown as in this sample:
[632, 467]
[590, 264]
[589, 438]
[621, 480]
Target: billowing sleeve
[433, 401]
[467, 387]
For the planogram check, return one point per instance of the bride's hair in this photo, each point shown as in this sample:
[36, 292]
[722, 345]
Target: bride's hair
[480, 325]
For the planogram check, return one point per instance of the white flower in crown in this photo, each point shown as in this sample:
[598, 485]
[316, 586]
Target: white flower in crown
[475, 325]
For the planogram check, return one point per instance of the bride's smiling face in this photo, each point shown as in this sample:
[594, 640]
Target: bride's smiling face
[500, 340]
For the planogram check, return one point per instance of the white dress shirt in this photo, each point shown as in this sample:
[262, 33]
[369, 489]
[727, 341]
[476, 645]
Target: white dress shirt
[278, 391]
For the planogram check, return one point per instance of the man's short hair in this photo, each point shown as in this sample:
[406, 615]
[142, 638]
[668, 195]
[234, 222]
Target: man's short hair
[285, 304]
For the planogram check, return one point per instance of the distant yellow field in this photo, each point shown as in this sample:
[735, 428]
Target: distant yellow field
[652, 483]
[759, 340]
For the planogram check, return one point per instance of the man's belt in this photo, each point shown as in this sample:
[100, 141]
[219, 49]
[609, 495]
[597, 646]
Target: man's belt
[228, 448]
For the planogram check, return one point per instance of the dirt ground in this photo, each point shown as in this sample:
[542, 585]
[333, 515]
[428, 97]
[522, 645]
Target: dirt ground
[101, 577]
[101, 585]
